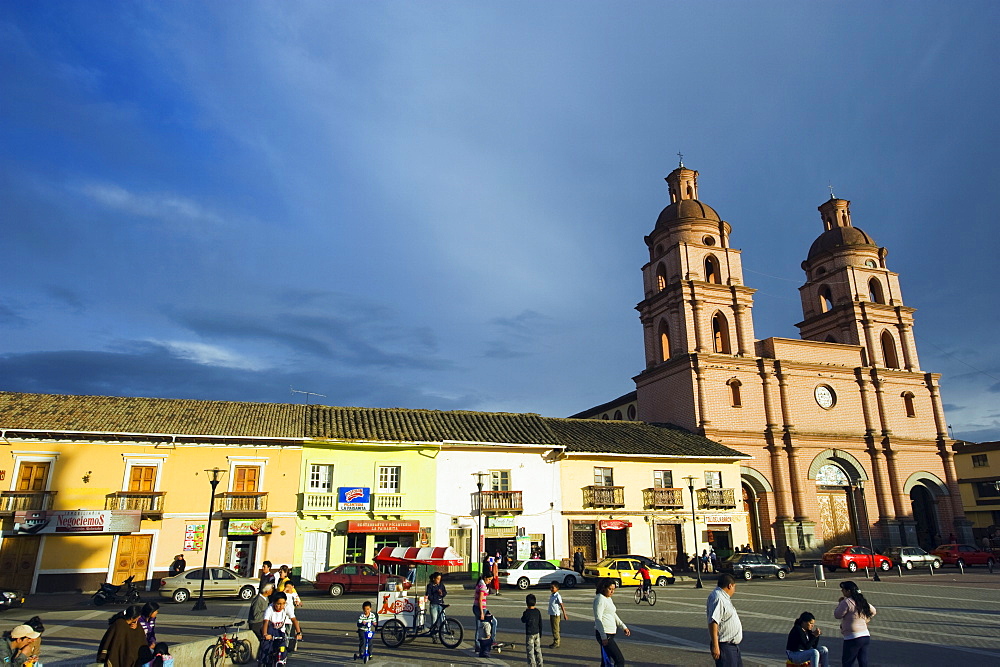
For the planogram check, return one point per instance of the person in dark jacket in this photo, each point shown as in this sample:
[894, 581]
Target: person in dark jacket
[789, 558]
[255, 617]
[436, 593]
[124, 638]
[803, 642]
[178, 566]
[578, 561]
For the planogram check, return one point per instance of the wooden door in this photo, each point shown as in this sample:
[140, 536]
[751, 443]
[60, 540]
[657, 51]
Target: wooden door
[32, 476]
[142, 478]
[17, 562]
[245, 479]
[132, 558]
[667, 541]
[835, 518]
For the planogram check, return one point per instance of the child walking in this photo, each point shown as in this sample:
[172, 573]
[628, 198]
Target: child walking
[557, 611]
[532, 619]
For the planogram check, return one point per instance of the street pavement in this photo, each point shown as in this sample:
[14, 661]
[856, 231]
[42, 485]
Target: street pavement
[922, 620]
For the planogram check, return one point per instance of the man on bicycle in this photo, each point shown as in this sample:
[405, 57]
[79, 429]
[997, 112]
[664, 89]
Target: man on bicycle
[647, 583]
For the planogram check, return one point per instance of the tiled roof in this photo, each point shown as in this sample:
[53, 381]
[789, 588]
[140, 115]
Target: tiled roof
[621, 437]
[121, 414]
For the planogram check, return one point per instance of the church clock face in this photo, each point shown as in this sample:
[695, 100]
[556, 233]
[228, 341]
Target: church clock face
[825, 397]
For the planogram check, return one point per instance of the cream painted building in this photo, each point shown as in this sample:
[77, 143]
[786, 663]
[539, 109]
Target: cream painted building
[978, 468]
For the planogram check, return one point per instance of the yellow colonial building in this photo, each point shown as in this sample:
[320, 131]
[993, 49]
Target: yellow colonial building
[978, 468]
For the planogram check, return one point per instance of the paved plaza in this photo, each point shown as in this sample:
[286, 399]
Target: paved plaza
[922, 620]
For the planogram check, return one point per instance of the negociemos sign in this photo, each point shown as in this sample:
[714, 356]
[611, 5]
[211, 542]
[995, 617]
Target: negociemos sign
[80, 522]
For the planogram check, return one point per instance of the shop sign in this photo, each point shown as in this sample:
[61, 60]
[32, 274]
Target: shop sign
[354, 498]
[523, 547]
[424, 538]
[77, 522]
[194, 537]
[614, 524]
[383, 526]
[718, 518]
[249, 527]
[500, 521]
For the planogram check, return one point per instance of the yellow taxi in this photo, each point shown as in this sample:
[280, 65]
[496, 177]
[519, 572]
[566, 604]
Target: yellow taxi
[625, 572]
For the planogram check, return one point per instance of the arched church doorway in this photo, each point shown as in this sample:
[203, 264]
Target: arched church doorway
[837, 506]
[753, 516]
[925, 514]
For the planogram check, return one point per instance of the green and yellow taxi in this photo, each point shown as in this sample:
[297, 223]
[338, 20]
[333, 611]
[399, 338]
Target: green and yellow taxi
[625, 572]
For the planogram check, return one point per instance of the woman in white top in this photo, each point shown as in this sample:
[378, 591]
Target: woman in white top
[606, 621]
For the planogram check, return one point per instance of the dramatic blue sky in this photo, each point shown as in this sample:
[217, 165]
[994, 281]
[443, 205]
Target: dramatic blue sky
[442, 205]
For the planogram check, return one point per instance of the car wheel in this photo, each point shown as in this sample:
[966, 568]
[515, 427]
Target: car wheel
[748, 575]
[852, 566]
[336, 590]
[523, 583]
[569, 581]
[937, 564]
[960, 563]
[780, 574]
[884, 566]
[181, 595]
[909, 565]
[247, 592]
[662, 581]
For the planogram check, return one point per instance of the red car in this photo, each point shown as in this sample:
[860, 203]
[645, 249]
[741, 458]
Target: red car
[853, 558]
[953, 554]
[356, 578]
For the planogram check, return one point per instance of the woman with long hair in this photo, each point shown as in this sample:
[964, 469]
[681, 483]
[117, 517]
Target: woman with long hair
[606, 621]
[147, 621]
[803, 642]
[123, 639]
[854, 612]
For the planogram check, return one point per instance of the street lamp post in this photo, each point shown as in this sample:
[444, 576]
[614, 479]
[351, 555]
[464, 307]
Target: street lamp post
[868, 523]
[216, 473]
[479, 519]
[694, 530]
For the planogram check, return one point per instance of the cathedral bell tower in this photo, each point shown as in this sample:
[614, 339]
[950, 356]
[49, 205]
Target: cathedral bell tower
[695, 303]
[851, 297]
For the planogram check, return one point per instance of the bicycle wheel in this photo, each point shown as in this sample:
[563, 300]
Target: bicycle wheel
[242, 653]
[651, 597]
[451, 633]
[393, 633]
[638, 595]
[214, 656]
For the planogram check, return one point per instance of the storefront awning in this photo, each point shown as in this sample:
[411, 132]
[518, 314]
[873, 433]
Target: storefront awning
[437, 556]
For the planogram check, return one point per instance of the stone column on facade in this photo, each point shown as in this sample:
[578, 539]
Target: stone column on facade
[699, 336]
[703, 420]
[906, 344]
[939, 420]
[742, 344]
[649, 335]
[866, 327]
[963, 527]
[878, 464]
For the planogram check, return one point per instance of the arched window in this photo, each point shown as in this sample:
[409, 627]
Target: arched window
[875, 294]
[734, 393]
[690, 192]
[604, 416]
[658, 250]
[825, 300]
[618, 415]
[908, 404]
[664, 341]
[661, 278]
[712, 270]
[720, 334]
[889, 355]
[631, 413]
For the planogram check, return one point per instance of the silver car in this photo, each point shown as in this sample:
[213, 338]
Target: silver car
[910, 557]
[220, 582]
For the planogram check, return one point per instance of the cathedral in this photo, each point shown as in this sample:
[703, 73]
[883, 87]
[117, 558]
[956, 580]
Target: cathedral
[847, 433]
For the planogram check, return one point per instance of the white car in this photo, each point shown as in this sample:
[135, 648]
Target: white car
[525, 573]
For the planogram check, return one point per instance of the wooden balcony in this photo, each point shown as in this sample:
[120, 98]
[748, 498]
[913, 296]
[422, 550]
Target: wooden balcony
[661, 498]
[498, 502]
[604, 496]
[711, 499]
[150, 503]
[388, 502]
[25, 501]
[241, 505]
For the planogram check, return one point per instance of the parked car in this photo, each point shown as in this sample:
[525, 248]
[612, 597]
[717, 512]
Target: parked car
[749, 566]
[219, 582]
[953, 554]
[909, 557]
[853, 558]
[625, 571]
[525, 573]
[357, 578]
[10, 599]
[650, 563]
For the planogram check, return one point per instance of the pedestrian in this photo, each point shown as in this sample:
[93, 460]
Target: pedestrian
[495, 568]
[482, 614]
[682, 561]
[178, 566]
[606, 622]
[772, 553]
[17, 650]
[854, 612]
[156, 656]
[122, 640]
[255, 617]
[411, 575]
[557, 612]
[292, 595]
[647, 582]
[803, 642]
[532, 619]
[789, 558]
[266, 575]
[986, 543]
[704, 560]
[147, 621]
[282, 578]
[578, 561]
[436, 593]
[367, 622]
[35, 623]
[725, 631]
[714, 559]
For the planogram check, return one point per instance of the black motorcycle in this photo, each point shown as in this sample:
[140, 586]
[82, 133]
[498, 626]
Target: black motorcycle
[126, 593]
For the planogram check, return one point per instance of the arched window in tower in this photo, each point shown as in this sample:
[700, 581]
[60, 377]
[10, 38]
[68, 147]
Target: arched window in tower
[690, 192]
[889, 355]
[875, 293]
[712, 270]
[661, 278]
[664, 341]
[825, 300]
[720, 334]
[735, 399]
[908, 404]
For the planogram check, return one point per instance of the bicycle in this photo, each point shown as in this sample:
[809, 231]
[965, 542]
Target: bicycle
[649, 596]
[229, 646]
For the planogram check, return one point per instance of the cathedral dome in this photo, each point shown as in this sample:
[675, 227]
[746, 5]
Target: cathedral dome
[838, 238]
[686, 209]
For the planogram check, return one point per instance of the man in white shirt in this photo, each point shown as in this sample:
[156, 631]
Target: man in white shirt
[725, 632]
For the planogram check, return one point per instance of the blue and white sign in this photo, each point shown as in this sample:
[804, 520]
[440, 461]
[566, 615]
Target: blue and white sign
[354, 498]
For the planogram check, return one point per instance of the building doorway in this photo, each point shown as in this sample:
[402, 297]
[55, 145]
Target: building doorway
[315, 552]
[668, 540]
[132, 558]
[583, 536]
[753, 517]
[17, 562]
[924, 509]
[241, 556]
[616, 541]
[836, 509]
